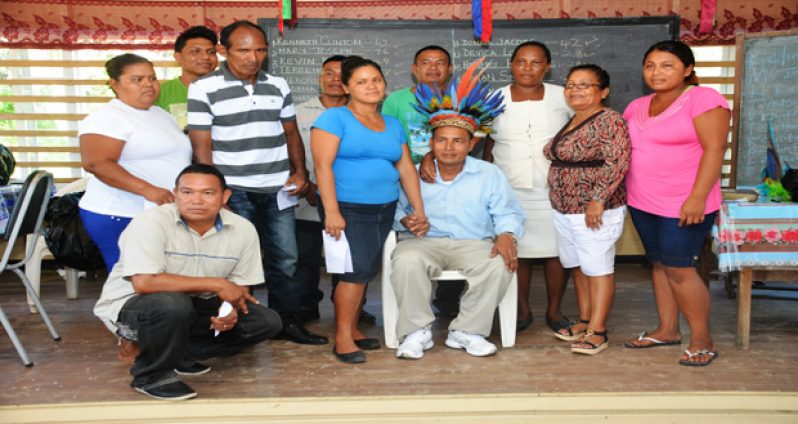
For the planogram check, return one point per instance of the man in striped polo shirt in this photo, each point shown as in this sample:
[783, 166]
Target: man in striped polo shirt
[242, 120]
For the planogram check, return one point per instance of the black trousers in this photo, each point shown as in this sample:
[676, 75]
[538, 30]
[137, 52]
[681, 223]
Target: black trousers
[309, 246]
[170, 327]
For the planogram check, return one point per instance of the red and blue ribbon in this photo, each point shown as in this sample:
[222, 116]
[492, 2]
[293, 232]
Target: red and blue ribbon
[482, 16]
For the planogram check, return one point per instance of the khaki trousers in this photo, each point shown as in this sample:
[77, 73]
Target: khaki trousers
[415, 261]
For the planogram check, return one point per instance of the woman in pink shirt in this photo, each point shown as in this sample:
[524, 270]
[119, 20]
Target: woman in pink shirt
[678, 138]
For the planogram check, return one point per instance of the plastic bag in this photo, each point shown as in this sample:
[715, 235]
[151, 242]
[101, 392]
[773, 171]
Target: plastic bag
[66, 238]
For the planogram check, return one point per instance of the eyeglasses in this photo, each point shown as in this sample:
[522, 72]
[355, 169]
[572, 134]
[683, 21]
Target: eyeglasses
[581, 86]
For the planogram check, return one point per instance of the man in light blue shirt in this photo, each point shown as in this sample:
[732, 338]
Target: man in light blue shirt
[473, 222]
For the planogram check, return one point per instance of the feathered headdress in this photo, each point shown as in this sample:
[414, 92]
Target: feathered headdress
[468, 103]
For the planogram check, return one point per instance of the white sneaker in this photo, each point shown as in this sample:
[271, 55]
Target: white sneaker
[474, 344]
[415, 344]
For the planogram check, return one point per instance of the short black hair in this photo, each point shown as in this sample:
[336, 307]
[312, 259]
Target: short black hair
[601, 75]
[334, 58]
[537, 44]
[115, 66]
[353, 63]
[224, 35]
[195, 32]
[201, 168]
[681, 51]
[432, 47]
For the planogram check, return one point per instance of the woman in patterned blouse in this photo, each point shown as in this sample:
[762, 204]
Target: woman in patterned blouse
[590, 157]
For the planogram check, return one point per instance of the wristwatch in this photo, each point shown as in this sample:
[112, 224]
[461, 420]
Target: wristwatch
[597, 198]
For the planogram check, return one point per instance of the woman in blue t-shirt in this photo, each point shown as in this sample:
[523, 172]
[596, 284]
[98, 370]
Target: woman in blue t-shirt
[361, 156]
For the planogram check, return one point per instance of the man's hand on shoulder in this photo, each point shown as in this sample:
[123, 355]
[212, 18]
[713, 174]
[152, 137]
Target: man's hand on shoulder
[235, 294]
[427, 168]
[506, 246]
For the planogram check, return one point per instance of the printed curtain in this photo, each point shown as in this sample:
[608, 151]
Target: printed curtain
[106, 24]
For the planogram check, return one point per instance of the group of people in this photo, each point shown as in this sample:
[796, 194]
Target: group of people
[185, 204]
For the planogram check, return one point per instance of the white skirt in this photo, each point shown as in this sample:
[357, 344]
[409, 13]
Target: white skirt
[540, 237]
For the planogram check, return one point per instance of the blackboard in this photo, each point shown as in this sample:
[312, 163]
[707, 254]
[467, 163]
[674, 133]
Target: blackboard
[617, 44]
[767, 88]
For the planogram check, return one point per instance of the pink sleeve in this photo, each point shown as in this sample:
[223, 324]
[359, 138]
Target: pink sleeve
[629, 111]
[705, 99]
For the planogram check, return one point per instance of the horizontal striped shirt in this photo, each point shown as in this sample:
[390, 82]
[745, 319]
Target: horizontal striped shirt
[246, 124]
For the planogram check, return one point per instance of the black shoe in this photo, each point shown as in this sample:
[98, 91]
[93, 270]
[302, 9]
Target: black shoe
[368, 344]
[366, 318]
[356, 357]
[170, 391]
[523, 324]
[296, 333]
[189, 367]
[306, 316]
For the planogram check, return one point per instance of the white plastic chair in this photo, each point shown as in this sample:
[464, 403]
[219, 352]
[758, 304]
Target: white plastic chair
[33, 269]
[390, 308]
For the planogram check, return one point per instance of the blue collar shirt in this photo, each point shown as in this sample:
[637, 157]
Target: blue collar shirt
[477, 204]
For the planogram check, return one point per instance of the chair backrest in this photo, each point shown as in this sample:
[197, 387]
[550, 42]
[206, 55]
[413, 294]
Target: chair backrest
[28, 213]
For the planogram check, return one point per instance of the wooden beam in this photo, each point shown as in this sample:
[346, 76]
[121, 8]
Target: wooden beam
[27, 81]
[49, 164]
[21, 63]
[716, 80]
[37, 133]
[65, 180]
[715, 64]
[55, 99]
[43, 116]
[49, 149]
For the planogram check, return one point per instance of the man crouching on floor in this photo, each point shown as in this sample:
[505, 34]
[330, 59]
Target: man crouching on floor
[178, 263]
[473, 222]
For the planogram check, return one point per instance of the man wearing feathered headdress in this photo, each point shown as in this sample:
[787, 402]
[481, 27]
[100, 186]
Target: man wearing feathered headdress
[473, 222]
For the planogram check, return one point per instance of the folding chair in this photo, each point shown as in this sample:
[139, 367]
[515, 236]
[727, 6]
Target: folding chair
[26, 219]
[390, 307]
[33, 269]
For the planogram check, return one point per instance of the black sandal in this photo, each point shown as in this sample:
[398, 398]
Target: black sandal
[571, 336]
[558, 325]
[594, 348]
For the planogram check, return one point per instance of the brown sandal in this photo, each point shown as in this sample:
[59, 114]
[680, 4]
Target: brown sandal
[594, 348]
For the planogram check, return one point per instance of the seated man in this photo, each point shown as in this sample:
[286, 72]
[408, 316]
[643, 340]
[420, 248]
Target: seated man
[474, 220]
[178, 263]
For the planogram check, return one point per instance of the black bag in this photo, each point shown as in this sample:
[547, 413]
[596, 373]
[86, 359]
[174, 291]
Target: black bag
[66, 238]
[790, 183]
[7, 164]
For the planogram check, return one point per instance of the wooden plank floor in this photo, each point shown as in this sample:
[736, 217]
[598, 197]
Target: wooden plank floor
[83, 366]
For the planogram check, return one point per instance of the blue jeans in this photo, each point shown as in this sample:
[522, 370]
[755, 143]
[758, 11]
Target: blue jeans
[278, 246]
[170, 327]
[668, 243]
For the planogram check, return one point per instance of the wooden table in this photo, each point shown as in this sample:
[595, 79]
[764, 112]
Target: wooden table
[760, 240]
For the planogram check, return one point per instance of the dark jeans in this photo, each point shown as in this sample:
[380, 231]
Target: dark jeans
[309, 245]
[278, 245]
[666, 242]
[170, 326]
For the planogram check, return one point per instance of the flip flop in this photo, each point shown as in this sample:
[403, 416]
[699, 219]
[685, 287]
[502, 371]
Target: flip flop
[653, 342]
[688, 363]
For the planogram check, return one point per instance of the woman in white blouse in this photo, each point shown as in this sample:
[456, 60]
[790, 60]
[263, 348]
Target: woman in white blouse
[534, 112]
[135, 151]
